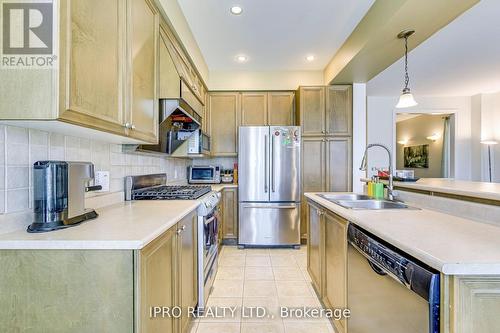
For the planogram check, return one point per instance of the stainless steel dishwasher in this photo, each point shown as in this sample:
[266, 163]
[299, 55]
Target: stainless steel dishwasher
[388, 291]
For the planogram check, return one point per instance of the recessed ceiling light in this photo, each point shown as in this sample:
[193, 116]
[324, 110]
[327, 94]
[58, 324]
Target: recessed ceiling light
[241, 58]
[236, 10]
[310, 58]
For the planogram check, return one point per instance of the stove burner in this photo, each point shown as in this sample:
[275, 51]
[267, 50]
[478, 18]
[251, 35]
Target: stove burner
[171, 193]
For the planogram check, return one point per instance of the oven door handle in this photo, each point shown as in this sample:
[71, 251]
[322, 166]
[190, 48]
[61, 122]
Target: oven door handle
[210, 220]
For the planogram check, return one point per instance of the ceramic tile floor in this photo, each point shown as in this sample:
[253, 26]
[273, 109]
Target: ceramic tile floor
[267, 278]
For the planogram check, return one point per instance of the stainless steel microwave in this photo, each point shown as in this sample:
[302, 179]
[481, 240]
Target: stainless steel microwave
[199, 143]
[208, 174]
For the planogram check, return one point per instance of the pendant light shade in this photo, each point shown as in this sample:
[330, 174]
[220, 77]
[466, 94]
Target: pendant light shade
[406, 99]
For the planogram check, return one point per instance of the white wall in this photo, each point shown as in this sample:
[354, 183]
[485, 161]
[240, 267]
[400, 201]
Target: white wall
[358, 134]
[381, 128]
[266, 80]
[21, 147]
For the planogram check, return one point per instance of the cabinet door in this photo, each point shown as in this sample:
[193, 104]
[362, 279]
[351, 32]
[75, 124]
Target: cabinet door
[475, 304]
[281, 108]
[335, 273]
[312, 110]
[339, 110]
[157, 269]
[170, 81]
[143, 38]
[313, 171]
[253, 109]
[339, 165]
[230, 213]
[188, 264]
[314, 246]
[224, 123]
[92, 59]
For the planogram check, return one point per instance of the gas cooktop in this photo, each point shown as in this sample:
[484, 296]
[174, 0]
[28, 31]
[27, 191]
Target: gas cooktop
[166, 192]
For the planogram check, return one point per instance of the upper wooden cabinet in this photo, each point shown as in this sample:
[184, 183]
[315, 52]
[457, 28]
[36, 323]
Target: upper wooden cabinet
[253, 109]
[281, 108]
[224, 109]
[325, 110]
[267, 108]
[107, 66]
[311, 111]
[144, 29]
[339, 110]
[90, 81]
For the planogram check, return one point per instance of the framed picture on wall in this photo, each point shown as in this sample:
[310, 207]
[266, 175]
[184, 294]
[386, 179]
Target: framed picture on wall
[416, 157]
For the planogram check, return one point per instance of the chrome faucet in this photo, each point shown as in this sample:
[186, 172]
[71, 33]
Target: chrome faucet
[390, 187]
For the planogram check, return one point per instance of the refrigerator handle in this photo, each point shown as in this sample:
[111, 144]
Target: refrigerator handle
[272, 163]
[266, 163]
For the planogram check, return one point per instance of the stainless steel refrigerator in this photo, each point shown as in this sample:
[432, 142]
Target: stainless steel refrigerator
[269, 186]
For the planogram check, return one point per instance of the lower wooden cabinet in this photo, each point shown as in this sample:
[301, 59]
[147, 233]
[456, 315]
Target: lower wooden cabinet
[327, 258]
[168, 277]
[315, 246]
[335, 266]
[230, 214]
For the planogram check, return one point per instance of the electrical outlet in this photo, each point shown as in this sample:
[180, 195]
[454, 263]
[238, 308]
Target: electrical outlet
[102, 178]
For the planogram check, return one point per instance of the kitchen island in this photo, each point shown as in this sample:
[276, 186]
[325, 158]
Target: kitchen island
[465, 252]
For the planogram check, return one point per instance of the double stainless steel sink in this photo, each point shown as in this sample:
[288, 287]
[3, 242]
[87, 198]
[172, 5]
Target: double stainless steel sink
[361, 201]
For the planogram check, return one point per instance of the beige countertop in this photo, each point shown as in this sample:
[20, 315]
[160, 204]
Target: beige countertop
[452, 245]
[481, 190]
[126, 225]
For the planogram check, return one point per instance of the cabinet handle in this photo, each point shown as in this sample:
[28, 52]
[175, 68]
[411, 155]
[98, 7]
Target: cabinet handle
[127, 125]
[179, 231]
[132, 126]
[183, 228]
[323, 132]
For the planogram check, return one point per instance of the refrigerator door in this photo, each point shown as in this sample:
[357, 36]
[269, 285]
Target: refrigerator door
[269, 224]
[253, 163]
[285, 164]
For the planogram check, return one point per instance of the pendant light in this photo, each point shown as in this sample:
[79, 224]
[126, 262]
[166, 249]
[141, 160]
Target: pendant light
[406, 99]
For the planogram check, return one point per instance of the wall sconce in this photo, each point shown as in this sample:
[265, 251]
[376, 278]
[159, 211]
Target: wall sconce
[434, 137]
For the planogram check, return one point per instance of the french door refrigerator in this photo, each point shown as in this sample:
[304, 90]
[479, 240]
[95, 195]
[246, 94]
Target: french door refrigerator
[269, 186]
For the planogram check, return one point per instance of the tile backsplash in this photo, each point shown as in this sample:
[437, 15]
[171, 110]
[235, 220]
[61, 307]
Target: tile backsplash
[21, 147]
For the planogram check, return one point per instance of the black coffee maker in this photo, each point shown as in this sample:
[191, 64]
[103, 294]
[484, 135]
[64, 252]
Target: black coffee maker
[59, 194]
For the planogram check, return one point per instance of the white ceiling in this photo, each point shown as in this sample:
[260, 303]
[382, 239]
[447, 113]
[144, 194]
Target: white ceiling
[275, 35]
[462, 59]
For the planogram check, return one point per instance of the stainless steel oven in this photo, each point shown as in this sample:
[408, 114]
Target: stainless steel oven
[389, 291]
[208, 247]
[204, 174]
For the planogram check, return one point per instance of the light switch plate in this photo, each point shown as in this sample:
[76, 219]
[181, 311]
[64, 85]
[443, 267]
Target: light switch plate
[102, 178]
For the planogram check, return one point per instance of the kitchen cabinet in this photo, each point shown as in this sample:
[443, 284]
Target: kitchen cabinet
[281, 108]
[170, 81]
[338, 164]
[325, 110]
[224, 109]
[325, 114]
[253, 109]
[315, 246]
[90, 81]
[157, 262]
[168, 276]
[338, 110]
[311, 113]
[230, 214]
[114, 289]
[335, 265]
[313, 173]
[144, 29]
[187, 254]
